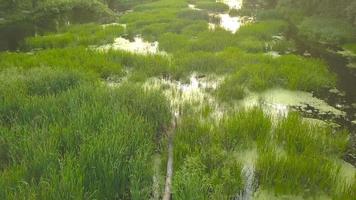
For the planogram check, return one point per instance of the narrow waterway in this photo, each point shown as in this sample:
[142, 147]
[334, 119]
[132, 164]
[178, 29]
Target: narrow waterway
[344, 97]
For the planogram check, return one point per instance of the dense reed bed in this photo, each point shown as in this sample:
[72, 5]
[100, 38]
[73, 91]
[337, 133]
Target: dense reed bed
[65, 136]
[68, 132]
[293, 157]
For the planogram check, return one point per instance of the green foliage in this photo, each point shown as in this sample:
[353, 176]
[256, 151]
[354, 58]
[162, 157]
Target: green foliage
[193, 15]
[263, 30]
[204, 169]
[200, 61]
[76, 35]
[77, 140]
[68, 58]
[296, 174]
[230, 90]
[213, 6]
[350, 47]
[292, 72]
[240, 128]
[103, 64]
[327, 30]
[300, 137]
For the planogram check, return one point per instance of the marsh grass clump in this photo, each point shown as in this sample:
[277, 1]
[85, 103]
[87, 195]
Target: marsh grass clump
[216, 7]
[43, 81]
[84, 140]
[193, 15]
[230, 91]
[292, 72]
[76, 35]
[300, 137]
[281, 45]
[200, 155]
[295, 157]
[234, 12]
[200, 61]
[296, 174]
[327, 30]
[67, 58]
[252, 45]
[351, 47]
[263, 30]
[214, 41]
[103, 64]
[172, 42]
[244, 128]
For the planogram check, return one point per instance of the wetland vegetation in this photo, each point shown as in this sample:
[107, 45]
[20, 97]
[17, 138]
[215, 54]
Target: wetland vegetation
[177, 99]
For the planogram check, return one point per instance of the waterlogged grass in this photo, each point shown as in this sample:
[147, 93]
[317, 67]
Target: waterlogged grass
[78, 58]
[204, 169]
[243, 129]
[258, 72]
[295, 157]
[76, 35]
[263, 30]
[299, 137]
[291, 72]
[350, 47]
[77, 139]
[230, 91]
[65, 135]
[296, 174]
[193, 14]
[104, 64]
[154, 19]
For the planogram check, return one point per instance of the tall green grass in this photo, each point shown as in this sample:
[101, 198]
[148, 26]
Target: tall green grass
[294, 156]
[77, 139]
[292, 72]
[327, 30]
[263, 29]
[78, 58]
[103, 64]
[204, 169]
[351, 47]
[217, 7]
[76, 35]
[299, 137]
[296, 174]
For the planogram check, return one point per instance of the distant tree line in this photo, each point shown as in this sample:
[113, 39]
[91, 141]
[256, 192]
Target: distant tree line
[20, 18]
[345, 9]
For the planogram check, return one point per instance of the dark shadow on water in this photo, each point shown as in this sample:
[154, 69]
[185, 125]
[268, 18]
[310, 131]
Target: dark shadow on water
[346, 83]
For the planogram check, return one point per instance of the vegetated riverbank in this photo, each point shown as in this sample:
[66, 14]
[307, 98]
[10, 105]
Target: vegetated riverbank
[102, 102]
[345, 97]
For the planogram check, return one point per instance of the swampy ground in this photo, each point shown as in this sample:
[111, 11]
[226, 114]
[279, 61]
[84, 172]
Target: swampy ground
[178, 99]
